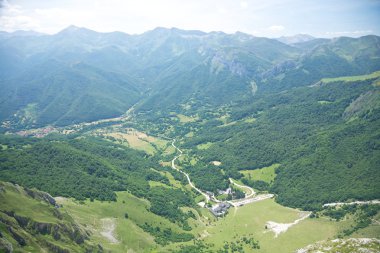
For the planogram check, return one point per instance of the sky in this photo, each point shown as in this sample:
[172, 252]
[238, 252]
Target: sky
[267, 18]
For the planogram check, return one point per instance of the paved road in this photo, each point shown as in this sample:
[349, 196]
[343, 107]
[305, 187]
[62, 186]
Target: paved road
[245, 187]
[207, 197]
[239, 202]
[353, 203]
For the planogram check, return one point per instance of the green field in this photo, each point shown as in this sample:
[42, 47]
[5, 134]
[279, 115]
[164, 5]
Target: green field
[139, 140]
[132, 141]
[129, 235]
[154, 184]
[250, 120]
[352, 78]
[251, 219]
[169, 150]
[372, 231]
[247, 221]
[127, 232]
[185, 119]
[266, 174]
[204, 146]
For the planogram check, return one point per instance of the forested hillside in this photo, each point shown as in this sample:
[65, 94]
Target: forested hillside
[58, 166]
[317, 133]
[145, 138]
[256, 101]
[89, 168]
[79, 75]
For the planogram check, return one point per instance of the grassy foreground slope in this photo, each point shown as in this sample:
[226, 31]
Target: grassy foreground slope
[252, 219]
[128, 231]
[249, 221]
[30, 222]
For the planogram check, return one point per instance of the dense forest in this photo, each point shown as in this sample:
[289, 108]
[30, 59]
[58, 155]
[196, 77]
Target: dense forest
[317, 133]
[80, 168]
[89, 168]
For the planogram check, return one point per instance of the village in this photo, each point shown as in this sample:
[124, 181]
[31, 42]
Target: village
[220, 208]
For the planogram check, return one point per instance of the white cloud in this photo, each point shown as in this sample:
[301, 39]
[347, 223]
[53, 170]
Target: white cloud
[244, 4]
[350, 33]
[276, 28]
[133, 16]
[20, 22]
[10, 9]
[222, 11]
[14, 18]
[260, 17]
[56, 17]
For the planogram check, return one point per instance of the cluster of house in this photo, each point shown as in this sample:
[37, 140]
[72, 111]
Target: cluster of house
[220, 209]
[38, 132]
[227, 191]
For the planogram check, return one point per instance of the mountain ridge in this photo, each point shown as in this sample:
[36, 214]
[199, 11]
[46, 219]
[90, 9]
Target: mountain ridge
[298, 122]
[210, 65]
[298, 37]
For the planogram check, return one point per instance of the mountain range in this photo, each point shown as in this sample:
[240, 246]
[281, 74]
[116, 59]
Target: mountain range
[281, 130]
[79, 75]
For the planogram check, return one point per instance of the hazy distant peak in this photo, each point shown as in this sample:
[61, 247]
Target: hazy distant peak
[72, 29]
[218, 33]
[174, 31]
[190, 32]
[243, 36]
[296, 38]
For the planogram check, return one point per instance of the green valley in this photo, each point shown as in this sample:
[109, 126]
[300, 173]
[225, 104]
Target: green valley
[187, 141]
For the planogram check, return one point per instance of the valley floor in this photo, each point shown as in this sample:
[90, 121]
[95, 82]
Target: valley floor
[259, 220]
[117, 226]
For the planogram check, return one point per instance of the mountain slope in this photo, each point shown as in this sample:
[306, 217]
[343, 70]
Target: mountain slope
[56, 166]
[317, 133]
[80, 75]
[110, 70]
[338, 57]
[38, 225]
[63, 95]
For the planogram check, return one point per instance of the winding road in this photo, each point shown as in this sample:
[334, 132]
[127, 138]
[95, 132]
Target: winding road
[207, 197]
[244, 187]
[239, 202]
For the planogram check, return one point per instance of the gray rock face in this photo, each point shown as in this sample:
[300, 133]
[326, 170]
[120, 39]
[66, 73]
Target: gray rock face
[19, 238]
[41, 196]
[5, 246]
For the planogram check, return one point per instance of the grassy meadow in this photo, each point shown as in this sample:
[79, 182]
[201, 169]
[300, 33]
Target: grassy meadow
[249, 221]
[130, 237]
[373, 75]
[266, 174]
